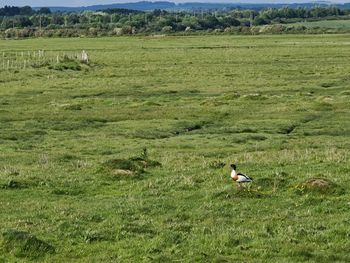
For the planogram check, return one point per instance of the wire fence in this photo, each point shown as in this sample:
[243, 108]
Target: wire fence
[21, 60]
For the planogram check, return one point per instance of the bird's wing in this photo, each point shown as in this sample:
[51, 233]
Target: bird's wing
[243, 178]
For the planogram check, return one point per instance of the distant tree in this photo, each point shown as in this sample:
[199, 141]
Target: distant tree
[300, 13]
[105, 19]
[84, 19]
[166, 21]
[26, 11]
[57, 19]
[210, 21]
[120, 11]
[191, 22]
[137, 21]
[319, 12]
[269, 13]
[260, 21]
[158, 12]
[9, 11]
[334, 11]
[244, 13]
[115, 18]
[22, 21]
[7, 22]
[228, 21]
[287, 12]
[40, 20]
[129, 21]
[72, 19]
[44, 10]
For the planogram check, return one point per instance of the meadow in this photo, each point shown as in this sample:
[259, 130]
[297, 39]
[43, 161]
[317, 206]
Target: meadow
[331, 24]
[125, 159]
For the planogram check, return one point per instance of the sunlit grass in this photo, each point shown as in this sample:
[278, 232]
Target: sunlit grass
[73, 170]
[334, 24]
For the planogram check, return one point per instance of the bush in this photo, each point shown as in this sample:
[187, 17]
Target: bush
[10, 33]
[167, 29]
[118, 31]
[126, 30]
[278, 28]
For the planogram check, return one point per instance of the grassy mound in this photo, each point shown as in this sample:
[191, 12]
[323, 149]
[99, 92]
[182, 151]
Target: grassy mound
[13, 184]
[231, 193]
[276, 182]
[130, 167]
[217, 164]
[68, 64]
[24, 244]
[123, 167]
[319, 185]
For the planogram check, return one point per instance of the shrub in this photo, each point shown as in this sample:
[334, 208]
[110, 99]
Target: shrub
[167, 29]
[126, 30]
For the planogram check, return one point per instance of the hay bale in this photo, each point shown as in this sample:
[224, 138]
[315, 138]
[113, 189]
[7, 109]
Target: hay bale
[24, 244]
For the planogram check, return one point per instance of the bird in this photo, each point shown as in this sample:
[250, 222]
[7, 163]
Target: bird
[239, 177]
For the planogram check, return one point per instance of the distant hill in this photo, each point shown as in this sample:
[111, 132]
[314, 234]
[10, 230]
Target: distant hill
[140, 6]
[190, 6]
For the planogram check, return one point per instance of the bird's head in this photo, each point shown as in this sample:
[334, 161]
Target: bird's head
[233, 166]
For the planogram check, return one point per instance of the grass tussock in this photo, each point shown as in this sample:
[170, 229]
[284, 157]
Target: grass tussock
[72, 107]
[131, 167]
[68, 64]
[25, 245]
[217, 164]
[14, 184]
[245, 192]
[67, 191]
[319, 185]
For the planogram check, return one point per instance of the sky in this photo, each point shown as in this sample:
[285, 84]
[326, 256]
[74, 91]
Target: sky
[94, 2]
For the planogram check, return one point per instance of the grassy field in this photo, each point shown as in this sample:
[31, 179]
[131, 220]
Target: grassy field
[332, 24]
[125, 159]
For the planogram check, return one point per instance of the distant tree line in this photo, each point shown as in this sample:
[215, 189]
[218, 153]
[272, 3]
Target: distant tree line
[22, 11]
[26, 22]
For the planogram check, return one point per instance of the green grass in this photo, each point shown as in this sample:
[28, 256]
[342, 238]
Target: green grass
[74, 174]
[332, 24]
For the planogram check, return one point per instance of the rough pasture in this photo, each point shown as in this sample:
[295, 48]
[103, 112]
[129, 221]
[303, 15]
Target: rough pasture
[124, 159]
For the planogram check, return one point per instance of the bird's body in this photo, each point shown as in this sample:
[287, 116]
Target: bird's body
[239, 177]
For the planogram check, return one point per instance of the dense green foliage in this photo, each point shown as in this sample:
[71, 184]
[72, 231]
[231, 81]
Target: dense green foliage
[126, 22]
[124, 160]
[22, 11]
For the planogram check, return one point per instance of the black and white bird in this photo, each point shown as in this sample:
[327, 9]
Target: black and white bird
[239, 177]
